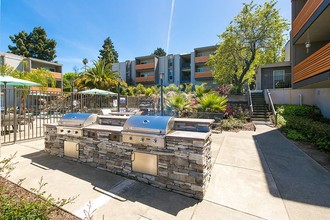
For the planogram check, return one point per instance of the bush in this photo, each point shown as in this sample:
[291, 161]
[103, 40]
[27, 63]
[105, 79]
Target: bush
[299, 123]
[295, 135]
[299, 110]
[232, 123]
[21, 205]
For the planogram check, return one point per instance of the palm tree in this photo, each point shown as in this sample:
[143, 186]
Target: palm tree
[85, 61]
[201, 90]
[180, 102]
[100, 76]
[212, 102]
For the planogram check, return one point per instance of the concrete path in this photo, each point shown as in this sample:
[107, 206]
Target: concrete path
[256, 175]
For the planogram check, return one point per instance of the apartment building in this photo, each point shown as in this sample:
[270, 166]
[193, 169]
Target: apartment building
[310, 53]
[177, 68]
[28, 64]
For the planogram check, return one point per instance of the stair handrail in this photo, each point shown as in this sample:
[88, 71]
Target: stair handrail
[249, 98]
[271, 106]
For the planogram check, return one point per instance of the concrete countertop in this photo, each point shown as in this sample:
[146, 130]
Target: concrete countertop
[194, 120]
[104, 128]
[113, 117]
[189, 134]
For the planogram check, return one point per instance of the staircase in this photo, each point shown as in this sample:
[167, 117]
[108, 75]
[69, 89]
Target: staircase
[260, 107]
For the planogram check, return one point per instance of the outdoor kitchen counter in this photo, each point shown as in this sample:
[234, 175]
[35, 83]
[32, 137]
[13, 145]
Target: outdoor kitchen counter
[189, 135]
[194, 120]
[110, 128]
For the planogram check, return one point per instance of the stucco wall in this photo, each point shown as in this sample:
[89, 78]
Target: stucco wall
[322, 99]
[318, 97]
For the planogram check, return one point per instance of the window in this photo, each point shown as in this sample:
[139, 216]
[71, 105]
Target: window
[200, 69]
[278, 78]
[170, 75]
[171, 62]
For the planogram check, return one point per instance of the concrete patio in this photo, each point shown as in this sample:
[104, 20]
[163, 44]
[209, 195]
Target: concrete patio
[256, 175]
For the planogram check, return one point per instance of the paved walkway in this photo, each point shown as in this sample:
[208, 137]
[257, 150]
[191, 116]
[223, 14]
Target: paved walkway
[256, 175]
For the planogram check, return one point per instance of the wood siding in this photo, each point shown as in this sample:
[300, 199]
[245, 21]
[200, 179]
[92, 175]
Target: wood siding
[145, 79]
[57, 75]
[145, 66]
[35, 88]
[304, 15]
[206, 74]
[316, 63]
[202, 59]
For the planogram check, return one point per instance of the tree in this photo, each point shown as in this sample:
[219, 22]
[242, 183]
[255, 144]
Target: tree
[36, 45]
[108, 54]
[159, 52]
[100, 76]
[212, 102]
[85, 61]
[180, 102]
[254, 37]
[67, 78]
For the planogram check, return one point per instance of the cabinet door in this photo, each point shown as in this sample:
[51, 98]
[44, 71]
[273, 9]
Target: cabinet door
[71, 149]
[145, 163]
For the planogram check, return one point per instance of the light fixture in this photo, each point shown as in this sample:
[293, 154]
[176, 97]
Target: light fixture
[307, 43]
[118, 93]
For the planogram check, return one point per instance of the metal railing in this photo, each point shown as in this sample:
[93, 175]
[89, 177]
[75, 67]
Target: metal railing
[271, 106]
[249, 99]
[24, 111]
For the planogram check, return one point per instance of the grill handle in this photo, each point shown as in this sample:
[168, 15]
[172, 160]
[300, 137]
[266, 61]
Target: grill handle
[133, 156]
[77, 146]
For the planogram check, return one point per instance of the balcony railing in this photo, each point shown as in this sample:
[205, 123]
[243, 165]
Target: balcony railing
[206, 74]
[202, 59]
[57, 75]
[145, 66]
[49, 89]
[145, 79]
[306, 12]
[315, 64]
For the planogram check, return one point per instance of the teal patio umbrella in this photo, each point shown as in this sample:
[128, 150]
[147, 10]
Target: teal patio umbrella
[11, 81]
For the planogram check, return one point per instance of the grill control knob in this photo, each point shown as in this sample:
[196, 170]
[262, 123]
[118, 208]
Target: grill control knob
[62, 130]
[76, 132]
[69, 131]
[130, 138]
[142, 139]
[155, 140]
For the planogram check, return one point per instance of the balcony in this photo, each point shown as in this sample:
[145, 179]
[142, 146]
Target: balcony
[35, 88]
[205, 74]
[304, 15]
[145, 66]
[202, 59]
[57, 75]
[313, 65]
[145, 79]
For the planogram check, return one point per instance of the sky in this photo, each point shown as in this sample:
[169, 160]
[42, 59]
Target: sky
[136, 27]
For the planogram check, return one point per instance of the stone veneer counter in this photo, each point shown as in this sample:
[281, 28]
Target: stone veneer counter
[183, 165]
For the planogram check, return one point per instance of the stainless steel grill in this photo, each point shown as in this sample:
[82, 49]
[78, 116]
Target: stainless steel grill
[71, 124]
[147, 130]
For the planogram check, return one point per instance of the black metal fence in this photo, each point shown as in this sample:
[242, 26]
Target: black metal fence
[24, 112]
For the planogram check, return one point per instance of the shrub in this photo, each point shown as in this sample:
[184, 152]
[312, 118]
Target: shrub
[231, 124]
[311, 130]
[295, 135]
[299, 110]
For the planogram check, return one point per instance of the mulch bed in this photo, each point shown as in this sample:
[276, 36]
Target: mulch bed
[19, 192]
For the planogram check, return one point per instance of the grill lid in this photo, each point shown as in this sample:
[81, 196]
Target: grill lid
[77, 119]
[149, 124]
